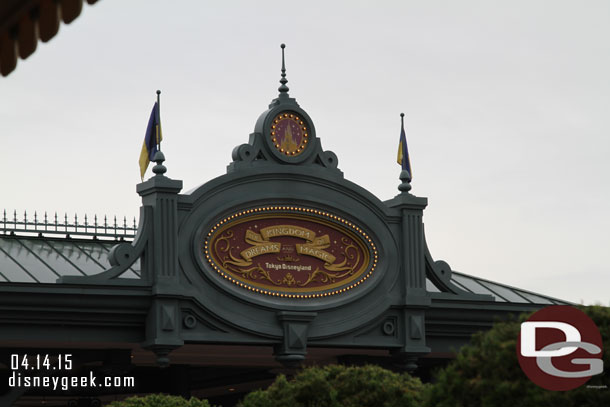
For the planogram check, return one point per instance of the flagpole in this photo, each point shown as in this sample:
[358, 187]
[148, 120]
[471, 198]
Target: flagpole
[405, 176]
[159, 119]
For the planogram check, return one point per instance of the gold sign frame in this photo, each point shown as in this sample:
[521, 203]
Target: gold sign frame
[312, 246]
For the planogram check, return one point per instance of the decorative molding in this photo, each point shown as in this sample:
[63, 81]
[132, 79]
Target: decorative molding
[293, 348]
[121, 257]
[439, 273]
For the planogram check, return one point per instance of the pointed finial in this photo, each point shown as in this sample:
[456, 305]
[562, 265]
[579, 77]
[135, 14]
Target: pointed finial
[283, 88]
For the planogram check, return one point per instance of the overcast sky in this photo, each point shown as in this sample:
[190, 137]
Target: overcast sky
[507, 115]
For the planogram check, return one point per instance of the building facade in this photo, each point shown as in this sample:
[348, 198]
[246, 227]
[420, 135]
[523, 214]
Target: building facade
[279, 262]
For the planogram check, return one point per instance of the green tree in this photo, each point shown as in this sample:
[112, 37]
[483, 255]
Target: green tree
[340, 386]
[486, 373]
[159, 400]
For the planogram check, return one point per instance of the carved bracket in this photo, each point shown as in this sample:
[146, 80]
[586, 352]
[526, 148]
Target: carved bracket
[246, 153]
[121, 257]
[328, 159]
[293, 348]
[439, 272]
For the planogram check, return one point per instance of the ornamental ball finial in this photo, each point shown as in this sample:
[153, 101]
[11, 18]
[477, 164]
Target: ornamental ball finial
[159, 169]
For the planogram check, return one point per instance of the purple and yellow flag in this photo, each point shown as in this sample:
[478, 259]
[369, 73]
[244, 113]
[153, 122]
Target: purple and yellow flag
[152, 139]
[403, 151]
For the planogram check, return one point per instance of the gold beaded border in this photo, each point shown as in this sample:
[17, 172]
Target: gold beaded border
[300, 122]
[293, 209]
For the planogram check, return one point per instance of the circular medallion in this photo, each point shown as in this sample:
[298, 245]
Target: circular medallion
[289, 251]
[289, 133]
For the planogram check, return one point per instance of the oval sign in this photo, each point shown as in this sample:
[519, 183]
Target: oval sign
[289, 251]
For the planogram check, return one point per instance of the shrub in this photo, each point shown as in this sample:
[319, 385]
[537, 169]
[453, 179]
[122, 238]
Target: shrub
[340, 386]
[159, 400]
[486, 372]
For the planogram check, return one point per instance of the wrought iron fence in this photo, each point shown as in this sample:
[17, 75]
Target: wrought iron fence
[68, 227]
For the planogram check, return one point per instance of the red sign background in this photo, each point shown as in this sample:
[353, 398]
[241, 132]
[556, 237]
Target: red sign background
[290, 252]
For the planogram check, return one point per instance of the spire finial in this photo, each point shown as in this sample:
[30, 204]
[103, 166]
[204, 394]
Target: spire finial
[283, 88]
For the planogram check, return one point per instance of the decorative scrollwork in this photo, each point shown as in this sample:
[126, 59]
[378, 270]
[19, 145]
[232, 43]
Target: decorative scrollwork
[253, 273]
[323, 275]
[244, 152]
[349, 265]
[229, 258]
[348, 255]
[304, 253]
[224, 238]
[328, 159]
[289, 280]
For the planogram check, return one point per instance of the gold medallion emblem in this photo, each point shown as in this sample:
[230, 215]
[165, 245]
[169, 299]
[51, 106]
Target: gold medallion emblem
[289, 134]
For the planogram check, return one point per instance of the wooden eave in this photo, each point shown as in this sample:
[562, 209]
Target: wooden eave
[24, 22]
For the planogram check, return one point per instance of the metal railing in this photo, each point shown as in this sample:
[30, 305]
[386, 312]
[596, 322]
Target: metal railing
[61, 225]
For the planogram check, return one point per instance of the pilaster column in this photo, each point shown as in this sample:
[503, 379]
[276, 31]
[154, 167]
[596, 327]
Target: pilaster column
[161, 263]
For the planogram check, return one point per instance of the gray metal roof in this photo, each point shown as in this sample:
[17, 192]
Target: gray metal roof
[37, 259]
[500, 292]
[43, 248]
[34, 259]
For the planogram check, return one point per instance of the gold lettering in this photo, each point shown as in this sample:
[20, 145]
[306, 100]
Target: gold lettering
[287, 230]
[252, 237]
[261, 249]
[314, 252]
